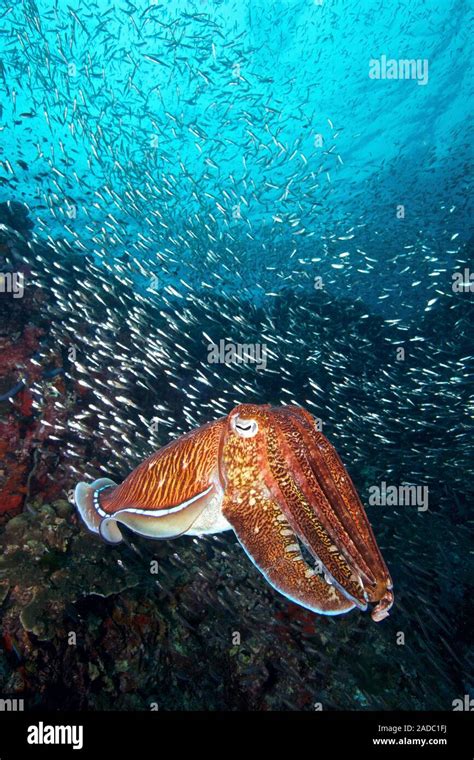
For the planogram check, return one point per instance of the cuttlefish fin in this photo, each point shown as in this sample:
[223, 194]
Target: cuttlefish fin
[271, 544]
[153, 523]
[86, 498]
[160, 523]
[173, 491]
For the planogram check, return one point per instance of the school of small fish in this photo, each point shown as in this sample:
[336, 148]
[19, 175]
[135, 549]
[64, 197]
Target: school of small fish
[169, 138]
[187, 186]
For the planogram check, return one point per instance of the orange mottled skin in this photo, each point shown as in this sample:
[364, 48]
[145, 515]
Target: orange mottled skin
[271, 476]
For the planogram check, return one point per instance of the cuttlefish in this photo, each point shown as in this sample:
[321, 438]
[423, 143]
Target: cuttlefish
[269, 475]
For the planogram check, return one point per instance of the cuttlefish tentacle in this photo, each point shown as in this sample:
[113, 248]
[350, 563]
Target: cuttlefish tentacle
[313, 490]
[272, 477]
[325, 483]
[303, 518]
[321, 468]
[267, 537]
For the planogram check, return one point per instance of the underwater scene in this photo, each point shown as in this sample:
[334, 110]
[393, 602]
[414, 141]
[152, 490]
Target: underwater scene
[236, 355]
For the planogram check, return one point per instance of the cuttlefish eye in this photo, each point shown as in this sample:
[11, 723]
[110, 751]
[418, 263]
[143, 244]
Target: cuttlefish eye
[246, 428]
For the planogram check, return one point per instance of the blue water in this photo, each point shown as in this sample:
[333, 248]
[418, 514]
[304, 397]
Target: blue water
[250, 131]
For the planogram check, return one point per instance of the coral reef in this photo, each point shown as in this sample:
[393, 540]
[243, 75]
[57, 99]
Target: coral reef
[187, 625]
[33, 396]
[46, 565]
